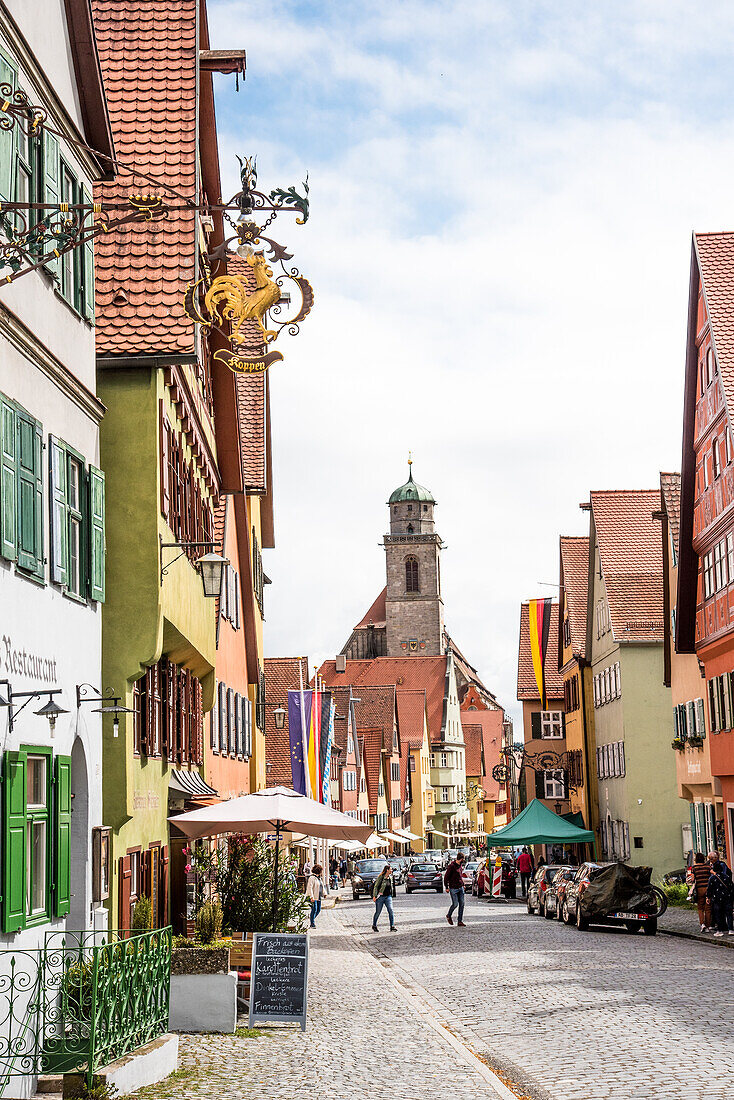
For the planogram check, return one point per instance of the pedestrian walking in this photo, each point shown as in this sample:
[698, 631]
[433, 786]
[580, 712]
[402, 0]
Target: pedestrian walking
[350, 868]
[721, 895]
[315, 892]
[698, 876]
[307, 869]
[525, 869]
[454, 884]
[383, 892]
[343, 871]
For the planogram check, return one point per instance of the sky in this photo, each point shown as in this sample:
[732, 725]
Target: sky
[503, 195]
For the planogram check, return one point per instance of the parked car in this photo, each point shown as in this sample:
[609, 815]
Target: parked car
[467, 873]
[398, 870]
[482, 879]
[433, 855]
[365, 873]
[424, 876]
[540, 886]
[557, 891]
[610, 887]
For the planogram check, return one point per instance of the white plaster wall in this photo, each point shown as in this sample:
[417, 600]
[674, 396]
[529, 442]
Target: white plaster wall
[43, 24]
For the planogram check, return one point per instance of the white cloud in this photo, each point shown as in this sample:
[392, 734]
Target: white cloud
[500, 244]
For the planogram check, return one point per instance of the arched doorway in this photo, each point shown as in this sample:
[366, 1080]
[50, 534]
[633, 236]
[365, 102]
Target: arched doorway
[81, 861]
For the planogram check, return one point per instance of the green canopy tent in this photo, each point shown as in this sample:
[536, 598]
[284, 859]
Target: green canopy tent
[536, 824]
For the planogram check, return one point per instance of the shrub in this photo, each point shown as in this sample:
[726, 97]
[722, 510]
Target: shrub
[677, 895]
[142, 916]
[209, 922]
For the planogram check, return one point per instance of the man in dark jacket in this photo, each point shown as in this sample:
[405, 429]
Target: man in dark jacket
[454, 884]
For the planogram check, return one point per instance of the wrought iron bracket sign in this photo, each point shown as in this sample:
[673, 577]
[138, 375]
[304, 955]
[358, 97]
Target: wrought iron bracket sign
[544, 761]
[40, 233]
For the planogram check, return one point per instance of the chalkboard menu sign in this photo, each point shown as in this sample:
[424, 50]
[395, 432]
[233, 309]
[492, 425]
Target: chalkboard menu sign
[279, 981]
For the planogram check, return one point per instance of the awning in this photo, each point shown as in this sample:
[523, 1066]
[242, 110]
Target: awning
[347, 845]
[408, 835]
[437, 832]
[393, 836]
[374, 841]
[536, 824]
[191, 785]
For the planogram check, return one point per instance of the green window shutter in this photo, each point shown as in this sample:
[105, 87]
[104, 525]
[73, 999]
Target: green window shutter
[40, 570]
[96, 534]
[87, 302]
[14, 841]
[676, 722]
[62, 835]
[8, 75]
[26, 451]
[9, 482]
[52, 185]
[700, 718]
[58, 510]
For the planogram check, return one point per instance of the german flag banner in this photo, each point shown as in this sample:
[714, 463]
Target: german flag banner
[539, 615]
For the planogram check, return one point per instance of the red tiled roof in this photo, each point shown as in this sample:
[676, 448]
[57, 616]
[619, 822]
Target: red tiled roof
[575, 567]
[715, 253]
[341, 707]
[490, 722]
[148, 55]
[526, 685]
[372, 743]
[670, 490]
[473, 742]
[426, 673]
[376, 710]
[411, 711]
[376, 615]
[281, 674]
[630, 550]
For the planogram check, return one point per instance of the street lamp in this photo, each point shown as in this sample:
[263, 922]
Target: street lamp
[211, 566]
[558, 807]
[279, 716]
[112, 708]
[51, 710]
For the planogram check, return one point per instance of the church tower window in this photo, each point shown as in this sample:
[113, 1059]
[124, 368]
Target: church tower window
[411, 575]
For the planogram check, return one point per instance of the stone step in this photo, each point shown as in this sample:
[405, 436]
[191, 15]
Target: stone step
[50, 1084]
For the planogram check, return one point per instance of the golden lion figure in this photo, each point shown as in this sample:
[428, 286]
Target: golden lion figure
[230, 299]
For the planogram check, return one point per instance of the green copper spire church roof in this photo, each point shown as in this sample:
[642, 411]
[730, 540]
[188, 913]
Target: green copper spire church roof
[411, 490]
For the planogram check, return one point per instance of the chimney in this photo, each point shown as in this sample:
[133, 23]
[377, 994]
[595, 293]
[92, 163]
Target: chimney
[341, 662]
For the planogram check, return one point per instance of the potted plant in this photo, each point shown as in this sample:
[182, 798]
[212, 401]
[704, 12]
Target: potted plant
[678, 744]
[696, 741]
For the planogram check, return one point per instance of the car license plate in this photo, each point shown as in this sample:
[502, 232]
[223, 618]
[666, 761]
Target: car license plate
[629, 916]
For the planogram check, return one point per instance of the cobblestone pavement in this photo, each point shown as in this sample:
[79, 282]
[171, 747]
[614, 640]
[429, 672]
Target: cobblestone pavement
[569, 1015]
[679, 921]
[565, 1015]
[365, 1039]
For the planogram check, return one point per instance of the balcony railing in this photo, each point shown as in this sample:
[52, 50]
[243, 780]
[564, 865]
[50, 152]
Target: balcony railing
[81, 1001]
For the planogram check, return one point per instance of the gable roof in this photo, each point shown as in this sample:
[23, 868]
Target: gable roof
[473, 743]
[281, 674]
[575, 584]
[149, 58]
[670, 491]
[426, 673]
[376, 615]
[630, 551]
[372, 756]
[526, 685]
[411, 712]
[376, 710]
[88, 74]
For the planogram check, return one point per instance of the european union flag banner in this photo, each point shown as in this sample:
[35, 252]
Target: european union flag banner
[295, 734]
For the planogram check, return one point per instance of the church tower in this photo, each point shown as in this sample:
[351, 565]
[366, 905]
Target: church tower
[413, 604]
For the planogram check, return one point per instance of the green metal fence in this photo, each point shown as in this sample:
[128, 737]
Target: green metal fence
[81, 1000]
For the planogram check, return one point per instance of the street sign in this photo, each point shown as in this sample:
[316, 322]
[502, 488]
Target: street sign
[279, 978]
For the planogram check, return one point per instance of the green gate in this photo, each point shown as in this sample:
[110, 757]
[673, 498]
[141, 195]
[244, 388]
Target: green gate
[81, 1001]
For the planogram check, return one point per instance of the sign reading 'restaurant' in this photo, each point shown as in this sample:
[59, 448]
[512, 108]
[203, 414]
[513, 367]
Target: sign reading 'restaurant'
[279, 978]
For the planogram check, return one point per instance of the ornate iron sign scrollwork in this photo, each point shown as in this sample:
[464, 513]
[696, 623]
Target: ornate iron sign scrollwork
[543, 761]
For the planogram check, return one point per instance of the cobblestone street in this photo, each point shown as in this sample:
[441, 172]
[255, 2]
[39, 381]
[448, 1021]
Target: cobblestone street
[564, 1015]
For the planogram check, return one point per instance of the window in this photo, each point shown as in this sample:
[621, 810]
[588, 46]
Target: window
[720, 577]
[411, 575]
[708, 574]
[169, 717]
[701, 378]
[433, 760]
[76, 522]
[184, 506]
[380, 788]
[444, 759]
[258, 576]
[36, 837]
[555, 786]
[715, 459]
[230, 596]
[396, 807]
[412, 763]
[566, 632]
[551, 723]
[706, 481]
[395, 772]
[362, 785]
[727, 445]
[709, 366]
[21, 510]
[445, 791]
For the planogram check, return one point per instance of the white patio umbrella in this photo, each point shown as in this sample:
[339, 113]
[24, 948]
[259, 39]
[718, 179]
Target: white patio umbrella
[276, 808]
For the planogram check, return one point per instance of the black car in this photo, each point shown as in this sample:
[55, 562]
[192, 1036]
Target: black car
[424, 876]
[610, 885]
[540, 886]
[365, 873]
